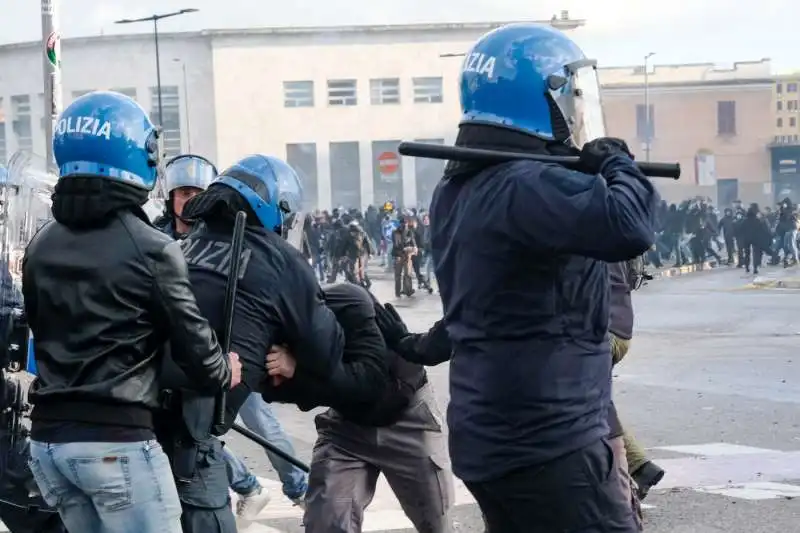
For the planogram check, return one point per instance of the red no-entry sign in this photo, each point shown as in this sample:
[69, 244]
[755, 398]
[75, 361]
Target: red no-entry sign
[388, 163]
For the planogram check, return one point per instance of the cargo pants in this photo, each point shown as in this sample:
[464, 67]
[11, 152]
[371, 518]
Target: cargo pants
[205, 500]
[623, 444]
[348, 458]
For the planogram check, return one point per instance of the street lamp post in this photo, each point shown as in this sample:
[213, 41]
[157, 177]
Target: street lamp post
[154, 19]
[186, 105]
[647, 125]
[52, 73]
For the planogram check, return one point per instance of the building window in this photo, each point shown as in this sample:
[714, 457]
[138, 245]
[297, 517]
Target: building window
[791, 105]
[726, 117]
[792, 122]
[342, 92]
[171, 111]
[387, 172]
[779, 122]
[303, 158]
[779, 105]
[384, 91]
[127, 91]
[779, 88]
[298, 94]
[43, 121]
[428, 174]
[645, 125]
[3, 148]
[791, 87]
[345, 167]
[427, 90]
[21, 122]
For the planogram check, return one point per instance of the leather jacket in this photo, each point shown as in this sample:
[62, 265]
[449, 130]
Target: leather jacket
[102, 302]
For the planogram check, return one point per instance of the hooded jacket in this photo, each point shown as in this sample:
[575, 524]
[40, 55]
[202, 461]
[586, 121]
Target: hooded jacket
[104, 291]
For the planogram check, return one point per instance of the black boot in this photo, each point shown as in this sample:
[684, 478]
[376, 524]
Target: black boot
[646, 477]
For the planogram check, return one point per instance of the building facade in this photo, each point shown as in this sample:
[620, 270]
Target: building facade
[785, 148]
[335, 102]
[713, 121]
[787, 109]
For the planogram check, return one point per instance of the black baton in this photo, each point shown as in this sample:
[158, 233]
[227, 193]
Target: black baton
[230, 301]
[264, 443]
[459, 153]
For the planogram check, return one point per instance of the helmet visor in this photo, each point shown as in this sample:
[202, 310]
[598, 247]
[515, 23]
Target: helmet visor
[580, 103]
[189, 171]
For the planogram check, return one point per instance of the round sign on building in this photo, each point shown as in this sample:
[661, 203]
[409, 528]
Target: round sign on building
[388, 164]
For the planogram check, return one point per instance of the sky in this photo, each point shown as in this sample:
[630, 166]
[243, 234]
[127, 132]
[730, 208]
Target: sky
[618, 32]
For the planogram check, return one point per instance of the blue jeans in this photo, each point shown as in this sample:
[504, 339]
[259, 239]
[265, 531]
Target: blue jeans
[258, 417]
[108, 487]
[427, 267]
[790, 245]
[386, 260]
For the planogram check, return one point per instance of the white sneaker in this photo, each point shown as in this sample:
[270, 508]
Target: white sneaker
[249, 506]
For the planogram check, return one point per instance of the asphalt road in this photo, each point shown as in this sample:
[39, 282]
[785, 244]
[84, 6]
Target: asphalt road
[711, 387]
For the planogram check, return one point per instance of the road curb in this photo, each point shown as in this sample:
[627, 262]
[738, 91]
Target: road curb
[684, 270]
[673, 272]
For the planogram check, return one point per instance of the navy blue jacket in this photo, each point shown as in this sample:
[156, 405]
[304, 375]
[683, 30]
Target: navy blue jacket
[520, 251]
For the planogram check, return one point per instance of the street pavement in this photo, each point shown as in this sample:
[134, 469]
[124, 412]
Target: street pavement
[710, 387]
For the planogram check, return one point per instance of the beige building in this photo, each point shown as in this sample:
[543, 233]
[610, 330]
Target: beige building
[787, 109]
[336, 101]
[711, 120]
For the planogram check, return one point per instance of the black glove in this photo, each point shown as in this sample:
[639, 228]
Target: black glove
[594, 153]
[390, 323]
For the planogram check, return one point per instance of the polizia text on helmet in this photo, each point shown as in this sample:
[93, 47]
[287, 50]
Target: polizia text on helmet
[480, 63]
[87, 125]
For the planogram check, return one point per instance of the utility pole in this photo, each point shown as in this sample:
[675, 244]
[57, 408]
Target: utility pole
[53, 102]
[154, 19]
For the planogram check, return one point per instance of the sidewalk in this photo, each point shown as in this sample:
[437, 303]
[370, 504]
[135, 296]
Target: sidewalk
[787, 278]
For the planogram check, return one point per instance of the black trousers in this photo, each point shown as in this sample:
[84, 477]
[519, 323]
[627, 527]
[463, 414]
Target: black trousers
[577, 493]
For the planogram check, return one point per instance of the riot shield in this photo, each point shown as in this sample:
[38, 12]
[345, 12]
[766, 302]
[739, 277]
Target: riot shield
[26, 188]
[25, 202]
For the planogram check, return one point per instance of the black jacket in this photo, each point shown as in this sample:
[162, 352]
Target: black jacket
[101, 302]
[755, 232]
[520, 250]
[278, 302]
[402, 238]
[373, 386]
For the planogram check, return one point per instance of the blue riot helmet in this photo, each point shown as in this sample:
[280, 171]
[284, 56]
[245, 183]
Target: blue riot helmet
[109, 135]
[533, 79]
[273, 191]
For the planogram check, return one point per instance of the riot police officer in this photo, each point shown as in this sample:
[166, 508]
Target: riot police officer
[104, 291]
[185, 176]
